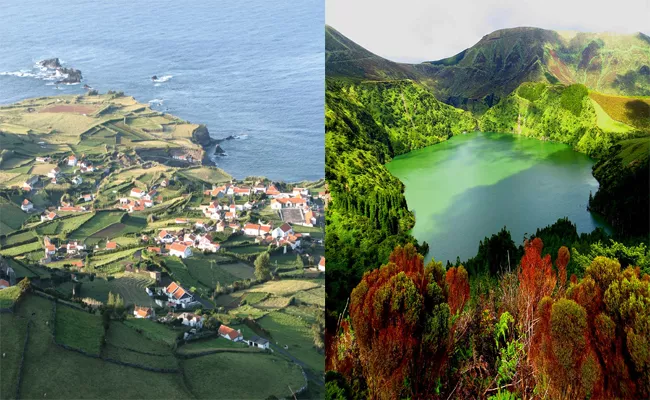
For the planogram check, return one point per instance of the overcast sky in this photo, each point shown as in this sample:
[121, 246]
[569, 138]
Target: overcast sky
[420, 30]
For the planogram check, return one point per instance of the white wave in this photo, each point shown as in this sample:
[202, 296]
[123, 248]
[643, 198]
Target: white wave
[156, 84]
[157, 102]
[21, 74]
[243, 136]
[163, 78]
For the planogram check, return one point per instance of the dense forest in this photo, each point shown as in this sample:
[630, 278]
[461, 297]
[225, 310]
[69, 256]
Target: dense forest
[366, 125]
[417, 331]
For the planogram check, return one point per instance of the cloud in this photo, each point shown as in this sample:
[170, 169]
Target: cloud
[418, 30]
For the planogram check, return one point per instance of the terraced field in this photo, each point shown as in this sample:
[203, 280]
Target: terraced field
[130, 288]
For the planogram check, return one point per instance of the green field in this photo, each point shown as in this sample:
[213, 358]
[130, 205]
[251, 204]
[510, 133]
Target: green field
[63, 225]
[79, 329]
[226, 371]
[211, 344]
[130, 288]
[22, 249]
[101, 220]
[153, 330]
[294, 332]
[183, 275]
[202, 270]
[18, 238]
[8, 296]
[11, 217]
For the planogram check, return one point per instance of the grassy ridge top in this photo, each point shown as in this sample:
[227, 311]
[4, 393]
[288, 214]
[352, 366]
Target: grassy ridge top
[89, 124]
[478, 77]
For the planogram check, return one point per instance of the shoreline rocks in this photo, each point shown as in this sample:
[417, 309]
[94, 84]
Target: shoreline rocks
[67, 75]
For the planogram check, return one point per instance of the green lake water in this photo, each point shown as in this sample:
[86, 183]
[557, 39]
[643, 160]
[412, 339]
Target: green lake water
[471, 186]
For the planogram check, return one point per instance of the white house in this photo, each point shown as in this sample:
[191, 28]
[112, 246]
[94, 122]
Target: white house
[27, 206]
[252, 229]
[230, 334]
[86, 197]
[180, 250]
[74, 247]
[48, 216]
[143, 312]
[257, 341]
[54, 172]
[242, 191]
[321, 264]
[300, 191]
[137, 192]
[178, 295]
[193, 320]
[165, 237]
[29, 183]
[72, 161]
[206, 245]
[282, 231]
[77, 180]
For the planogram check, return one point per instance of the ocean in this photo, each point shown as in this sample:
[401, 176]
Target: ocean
[250, 69]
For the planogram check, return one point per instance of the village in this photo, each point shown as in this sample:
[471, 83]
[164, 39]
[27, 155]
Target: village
[117, 219]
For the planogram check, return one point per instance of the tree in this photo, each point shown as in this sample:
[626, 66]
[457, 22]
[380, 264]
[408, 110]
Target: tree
[458, 282]
[263, 267]
[400, 317]
[300, 265]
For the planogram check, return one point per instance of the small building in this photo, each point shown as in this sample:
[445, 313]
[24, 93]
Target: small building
[252, 229]
[230, 334]
[143, 312]
[72, 161]
[178, 295]
[54, 172]
[257, 341]
[190, 319]
[165, 237]
[154, 275]
[321, 264]
[4, 284]
[283, 231]
[76, 180]
[205, 244]
[48, 216]
[111, 245]
[27, 206]
[87, 197]
[137, 193]
[180, 250]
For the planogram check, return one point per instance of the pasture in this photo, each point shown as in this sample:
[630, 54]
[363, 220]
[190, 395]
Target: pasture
[79, 329]
[295, 332]
[273, 376]
[130, 287]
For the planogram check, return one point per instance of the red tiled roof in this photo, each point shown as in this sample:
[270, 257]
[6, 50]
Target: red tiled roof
[172, 286]
[228, 331]
[178, 247]
[25, 202]
[285, 227]
[111, 245]
[322, 261]
[3, 282]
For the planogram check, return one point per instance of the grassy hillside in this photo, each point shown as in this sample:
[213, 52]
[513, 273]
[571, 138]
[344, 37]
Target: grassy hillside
[566, 114]
[624, 176]
[479, 77]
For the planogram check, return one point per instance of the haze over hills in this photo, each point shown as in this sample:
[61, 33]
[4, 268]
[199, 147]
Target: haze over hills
[478, 77]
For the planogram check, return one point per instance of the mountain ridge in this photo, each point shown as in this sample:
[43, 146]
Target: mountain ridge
[478, 77]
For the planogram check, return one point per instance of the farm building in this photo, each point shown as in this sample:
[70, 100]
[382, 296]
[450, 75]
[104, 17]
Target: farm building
[230, 334]
[143, 312]
[27, 206]
[257, 341]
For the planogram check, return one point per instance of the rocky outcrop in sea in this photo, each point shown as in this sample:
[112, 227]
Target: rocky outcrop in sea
[63, 75]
